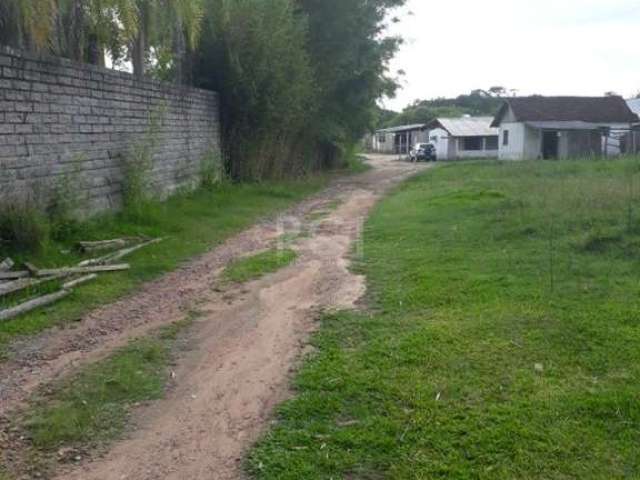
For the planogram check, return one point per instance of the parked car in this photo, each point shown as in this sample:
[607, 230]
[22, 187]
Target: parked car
[423, 152]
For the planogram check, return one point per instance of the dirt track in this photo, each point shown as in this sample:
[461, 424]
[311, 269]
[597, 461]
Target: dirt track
[242, 348]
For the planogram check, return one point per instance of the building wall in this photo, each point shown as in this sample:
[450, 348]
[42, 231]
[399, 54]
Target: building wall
[440, 138]
[532, 143]
[484, 153]
[478, 153]
[383, 142]
[515, 150]
[62, 121]
[583, 144]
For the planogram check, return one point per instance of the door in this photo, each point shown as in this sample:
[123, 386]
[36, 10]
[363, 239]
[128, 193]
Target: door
[550, 145]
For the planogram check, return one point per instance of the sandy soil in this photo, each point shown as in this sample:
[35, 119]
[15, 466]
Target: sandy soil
[242, 349]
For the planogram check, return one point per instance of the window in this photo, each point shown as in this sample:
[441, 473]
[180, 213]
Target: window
[491, 143]
[382, 138]
[472, 143]
[505, 138]
[434, 138]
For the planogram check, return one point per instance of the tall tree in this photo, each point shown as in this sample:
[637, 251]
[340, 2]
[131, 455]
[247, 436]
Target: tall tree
[253, 52]
[350, 54]
[27, 23]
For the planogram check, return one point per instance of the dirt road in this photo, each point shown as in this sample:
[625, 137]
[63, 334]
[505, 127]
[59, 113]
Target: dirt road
[245, 342]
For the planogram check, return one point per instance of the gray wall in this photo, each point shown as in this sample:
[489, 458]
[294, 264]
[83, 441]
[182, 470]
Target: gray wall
[62, 122]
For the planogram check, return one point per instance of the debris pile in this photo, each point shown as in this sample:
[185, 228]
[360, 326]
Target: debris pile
[13, 281]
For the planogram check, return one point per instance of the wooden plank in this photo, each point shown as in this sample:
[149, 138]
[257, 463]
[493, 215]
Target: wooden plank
[83, 270]
[22, 284]
[14, 275]
[103, 245]
[119, 255]
[79, 281]
[128, 251]
[6, 265]
[9, 313]
[33, 270]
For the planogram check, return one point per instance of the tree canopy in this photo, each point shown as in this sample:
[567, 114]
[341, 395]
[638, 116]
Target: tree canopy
[477, 103]
[299, 79]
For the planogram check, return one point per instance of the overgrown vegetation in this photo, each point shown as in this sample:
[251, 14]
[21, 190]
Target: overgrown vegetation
[298, 79]
[259, 265]
[191, 223]
[23, 225]
[503, 341]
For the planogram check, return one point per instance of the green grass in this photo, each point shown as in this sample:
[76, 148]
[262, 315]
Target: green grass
[191, 223]
[357, 164]
[256, 266]
[93, 406]
[504, 337]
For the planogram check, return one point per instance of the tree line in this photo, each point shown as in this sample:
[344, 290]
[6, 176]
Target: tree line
[298, 79]
[478, 102]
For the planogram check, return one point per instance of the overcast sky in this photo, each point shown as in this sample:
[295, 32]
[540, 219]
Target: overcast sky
[547, 47]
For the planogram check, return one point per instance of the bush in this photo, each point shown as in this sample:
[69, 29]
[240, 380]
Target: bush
[23, 225]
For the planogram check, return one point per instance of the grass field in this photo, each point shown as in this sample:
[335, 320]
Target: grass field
[191, 224]
[503, 340]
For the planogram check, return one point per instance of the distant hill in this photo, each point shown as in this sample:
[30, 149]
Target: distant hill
[477, 103]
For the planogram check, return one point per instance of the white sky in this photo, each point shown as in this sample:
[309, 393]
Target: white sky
[547, 47]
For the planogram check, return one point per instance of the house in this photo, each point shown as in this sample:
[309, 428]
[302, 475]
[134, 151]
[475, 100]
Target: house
[398, 140]
[634, 137]
[466, 137]
[562, 127]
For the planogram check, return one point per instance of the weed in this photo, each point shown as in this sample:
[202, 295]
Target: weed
[211, 170]
[23, 225]
[137, 167]
[65, 205]
[256, 266]
[93, 406]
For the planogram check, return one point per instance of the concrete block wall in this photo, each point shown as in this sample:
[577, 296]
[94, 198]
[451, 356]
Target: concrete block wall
[83, 123]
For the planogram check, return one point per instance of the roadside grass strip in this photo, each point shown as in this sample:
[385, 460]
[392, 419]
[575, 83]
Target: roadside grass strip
[191, 224]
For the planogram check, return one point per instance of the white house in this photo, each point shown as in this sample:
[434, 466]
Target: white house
[466, 137]
[562, 127]
[399, 140]
[633, 141]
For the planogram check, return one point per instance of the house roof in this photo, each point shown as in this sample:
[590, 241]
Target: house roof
[634, 105]
[403, 128]
[564, 125]
[600, 110]
[465, 126]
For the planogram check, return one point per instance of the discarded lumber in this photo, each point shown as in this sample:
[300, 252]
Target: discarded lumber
[14, 275]
[82, 270]
[33, 270]
[79, 281]
[103, 245]
[23, 284]
[120, 254]
[127, 251]
[9, 313]
[6, 264]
